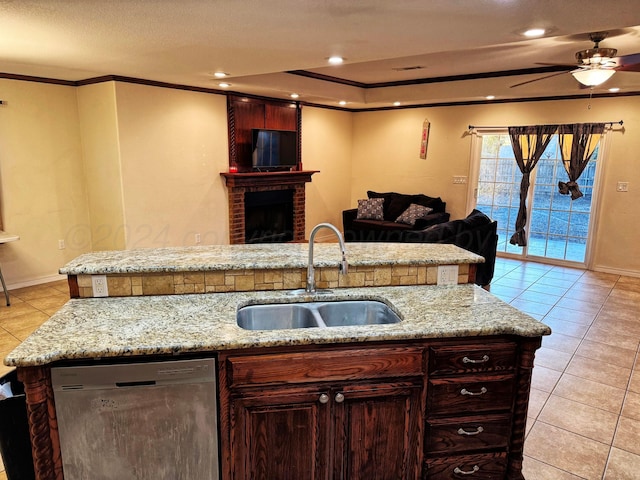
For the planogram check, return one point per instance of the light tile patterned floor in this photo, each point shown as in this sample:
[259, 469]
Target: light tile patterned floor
[584, 413]
[30, 307]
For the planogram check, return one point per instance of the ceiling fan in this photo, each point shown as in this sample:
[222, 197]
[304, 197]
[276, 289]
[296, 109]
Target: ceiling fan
[595, 65]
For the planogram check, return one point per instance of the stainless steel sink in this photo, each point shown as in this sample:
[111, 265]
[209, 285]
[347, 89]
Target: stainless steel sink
[315, 314]
[276, 317]
[356, 312]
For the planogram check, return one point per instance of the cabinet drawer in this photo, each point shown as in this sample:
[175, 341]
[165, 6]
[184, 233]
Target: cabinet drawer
[325, 366]
[472, 358]
[470, 394]
[488, 466]
[468, 433]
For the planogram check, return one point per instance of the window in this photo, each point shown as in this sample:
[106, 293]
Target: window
[557, 227]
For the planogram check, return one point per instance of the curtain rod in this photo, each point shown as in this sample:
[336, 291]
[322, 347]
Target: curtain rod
[471, 127]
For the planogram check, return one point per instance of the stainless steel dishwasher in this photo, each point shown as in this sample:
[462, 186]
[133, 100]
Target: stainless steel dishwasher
[138, 421]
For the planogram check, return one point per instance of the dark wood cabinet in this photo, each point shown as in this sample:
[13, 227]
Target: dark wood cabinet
[245, 114]
[417, 410]
[334, 414]
[376, 430]
[280, 434]
[470, 408]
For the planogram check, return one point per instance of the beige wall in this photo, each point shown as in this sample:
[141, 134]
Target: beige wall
[173, 146]
[326, 147]
[103, 176]
[386, 157]
[44, 199]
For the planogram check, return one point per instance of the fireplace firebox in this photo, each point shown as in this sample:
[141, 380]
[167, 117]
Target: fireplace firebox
[240, 185]
[268, 216]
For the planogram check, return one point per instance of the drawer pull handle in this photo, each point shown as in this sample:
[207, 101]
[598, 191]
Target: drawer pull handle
[482, 391]
[468, 472]
[462, 431]
[324, 398]
[339, 398]
[484, 359]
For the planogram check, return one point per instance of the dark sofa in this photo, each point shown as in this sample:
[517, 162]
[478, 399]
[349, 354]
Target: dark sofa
[388, 229]
[476, 233]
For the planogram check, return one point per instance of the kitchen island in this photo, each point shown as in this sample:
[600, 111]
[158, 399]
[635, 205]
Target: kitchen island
[367, 401]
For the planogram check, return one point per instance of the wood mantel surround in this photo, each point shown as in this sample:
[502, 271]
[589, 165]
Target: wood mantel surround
[240, 183]
[267, 179]
[243, 115]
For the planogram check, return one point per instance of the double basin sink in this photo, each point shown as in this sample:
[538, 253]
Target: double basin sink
[315, 314]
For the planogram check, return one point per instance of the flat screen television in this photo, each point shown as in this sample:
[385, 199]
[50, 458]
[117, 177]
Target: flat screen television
[274, 149]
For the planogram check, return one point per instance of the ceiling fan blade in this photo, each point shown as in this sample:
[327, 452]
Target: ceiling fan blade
[538, 79]
[568, 65]
[628, 63]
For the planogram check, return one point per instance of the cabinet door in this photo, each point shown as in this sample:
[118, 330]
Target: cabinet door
[377, 431]
[280, 435]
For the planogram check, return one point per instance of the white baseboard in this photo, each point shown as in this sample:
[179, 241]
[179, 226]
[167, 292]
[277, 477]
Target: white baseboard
[36, 281]
[616, 271]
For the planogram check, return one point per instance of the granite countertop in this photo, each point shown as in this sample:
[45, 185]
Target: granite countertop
[116, 327]
[264, 256]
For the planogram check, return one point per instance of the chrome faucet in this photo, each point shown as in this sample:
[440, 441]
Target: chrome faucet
[311, 277]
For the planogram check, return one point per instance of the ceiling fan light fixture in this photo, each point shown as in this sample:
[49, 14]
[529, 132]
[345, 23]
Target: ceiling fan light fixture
[592, 77]
[596, 56]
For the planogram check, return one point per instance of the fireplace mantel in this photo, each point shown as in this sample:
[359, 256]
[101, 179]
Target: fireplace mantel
[254, 179]
[238, 184]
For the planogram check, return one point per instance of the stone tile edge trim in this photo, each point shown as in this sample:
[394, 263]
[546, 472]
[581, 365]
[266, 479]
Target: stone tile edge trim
[179, 283]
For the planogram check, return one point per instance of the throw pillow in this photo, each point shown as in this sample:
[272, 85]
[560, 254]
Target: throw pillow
[413, 213]
[370, 209]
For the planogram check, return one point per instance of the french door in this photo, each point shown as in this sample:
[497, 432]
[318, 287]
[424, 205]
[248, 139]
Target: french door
[557, 227]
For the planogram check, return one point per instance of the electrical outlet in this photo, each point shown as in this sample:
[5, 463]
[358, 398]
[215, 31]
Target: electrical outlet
[99, 284]
[61, 245]
[622, 187]
[447, 274]
[459, 179]
[198, 240]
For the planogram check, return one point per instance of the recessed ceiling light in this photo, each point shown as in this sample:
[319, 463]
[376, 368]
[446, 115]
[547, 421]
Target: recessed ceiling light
[342, 102]
[220, 74]
[614, 89]
[224, 85]
[294, 95]
[534, 32]
[335, 60]
[490, 97]
[396, 104]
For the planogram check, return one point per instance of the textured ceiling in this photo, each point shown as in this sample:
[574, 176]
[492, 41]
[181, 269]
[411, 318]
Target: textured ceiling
[255, 41]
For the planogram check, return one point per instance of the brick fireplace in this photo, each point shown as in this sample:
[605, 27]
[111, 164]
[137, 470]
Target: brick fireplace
[241, 184]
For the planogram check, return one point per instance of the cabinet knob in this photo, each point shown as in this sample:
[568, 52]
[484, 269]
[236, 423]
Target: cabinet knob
[324, 398]
[339, 398]
[482, 391]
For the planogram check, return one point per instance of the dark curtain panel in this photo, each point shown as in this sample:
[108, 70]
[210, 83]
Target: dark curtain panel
[529, 143]
[578, 141]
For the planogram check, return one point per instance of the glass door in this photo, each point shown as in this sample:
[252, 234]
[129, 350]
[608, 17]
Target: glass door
[557, 227]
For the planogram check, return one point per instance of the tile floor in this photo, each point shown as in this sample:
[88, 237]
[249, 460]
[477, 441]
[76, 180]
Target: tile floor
[584, 413]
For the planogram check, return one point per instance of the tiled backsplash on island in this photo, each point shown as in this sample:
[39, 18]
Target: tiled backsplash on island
[176, 283]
